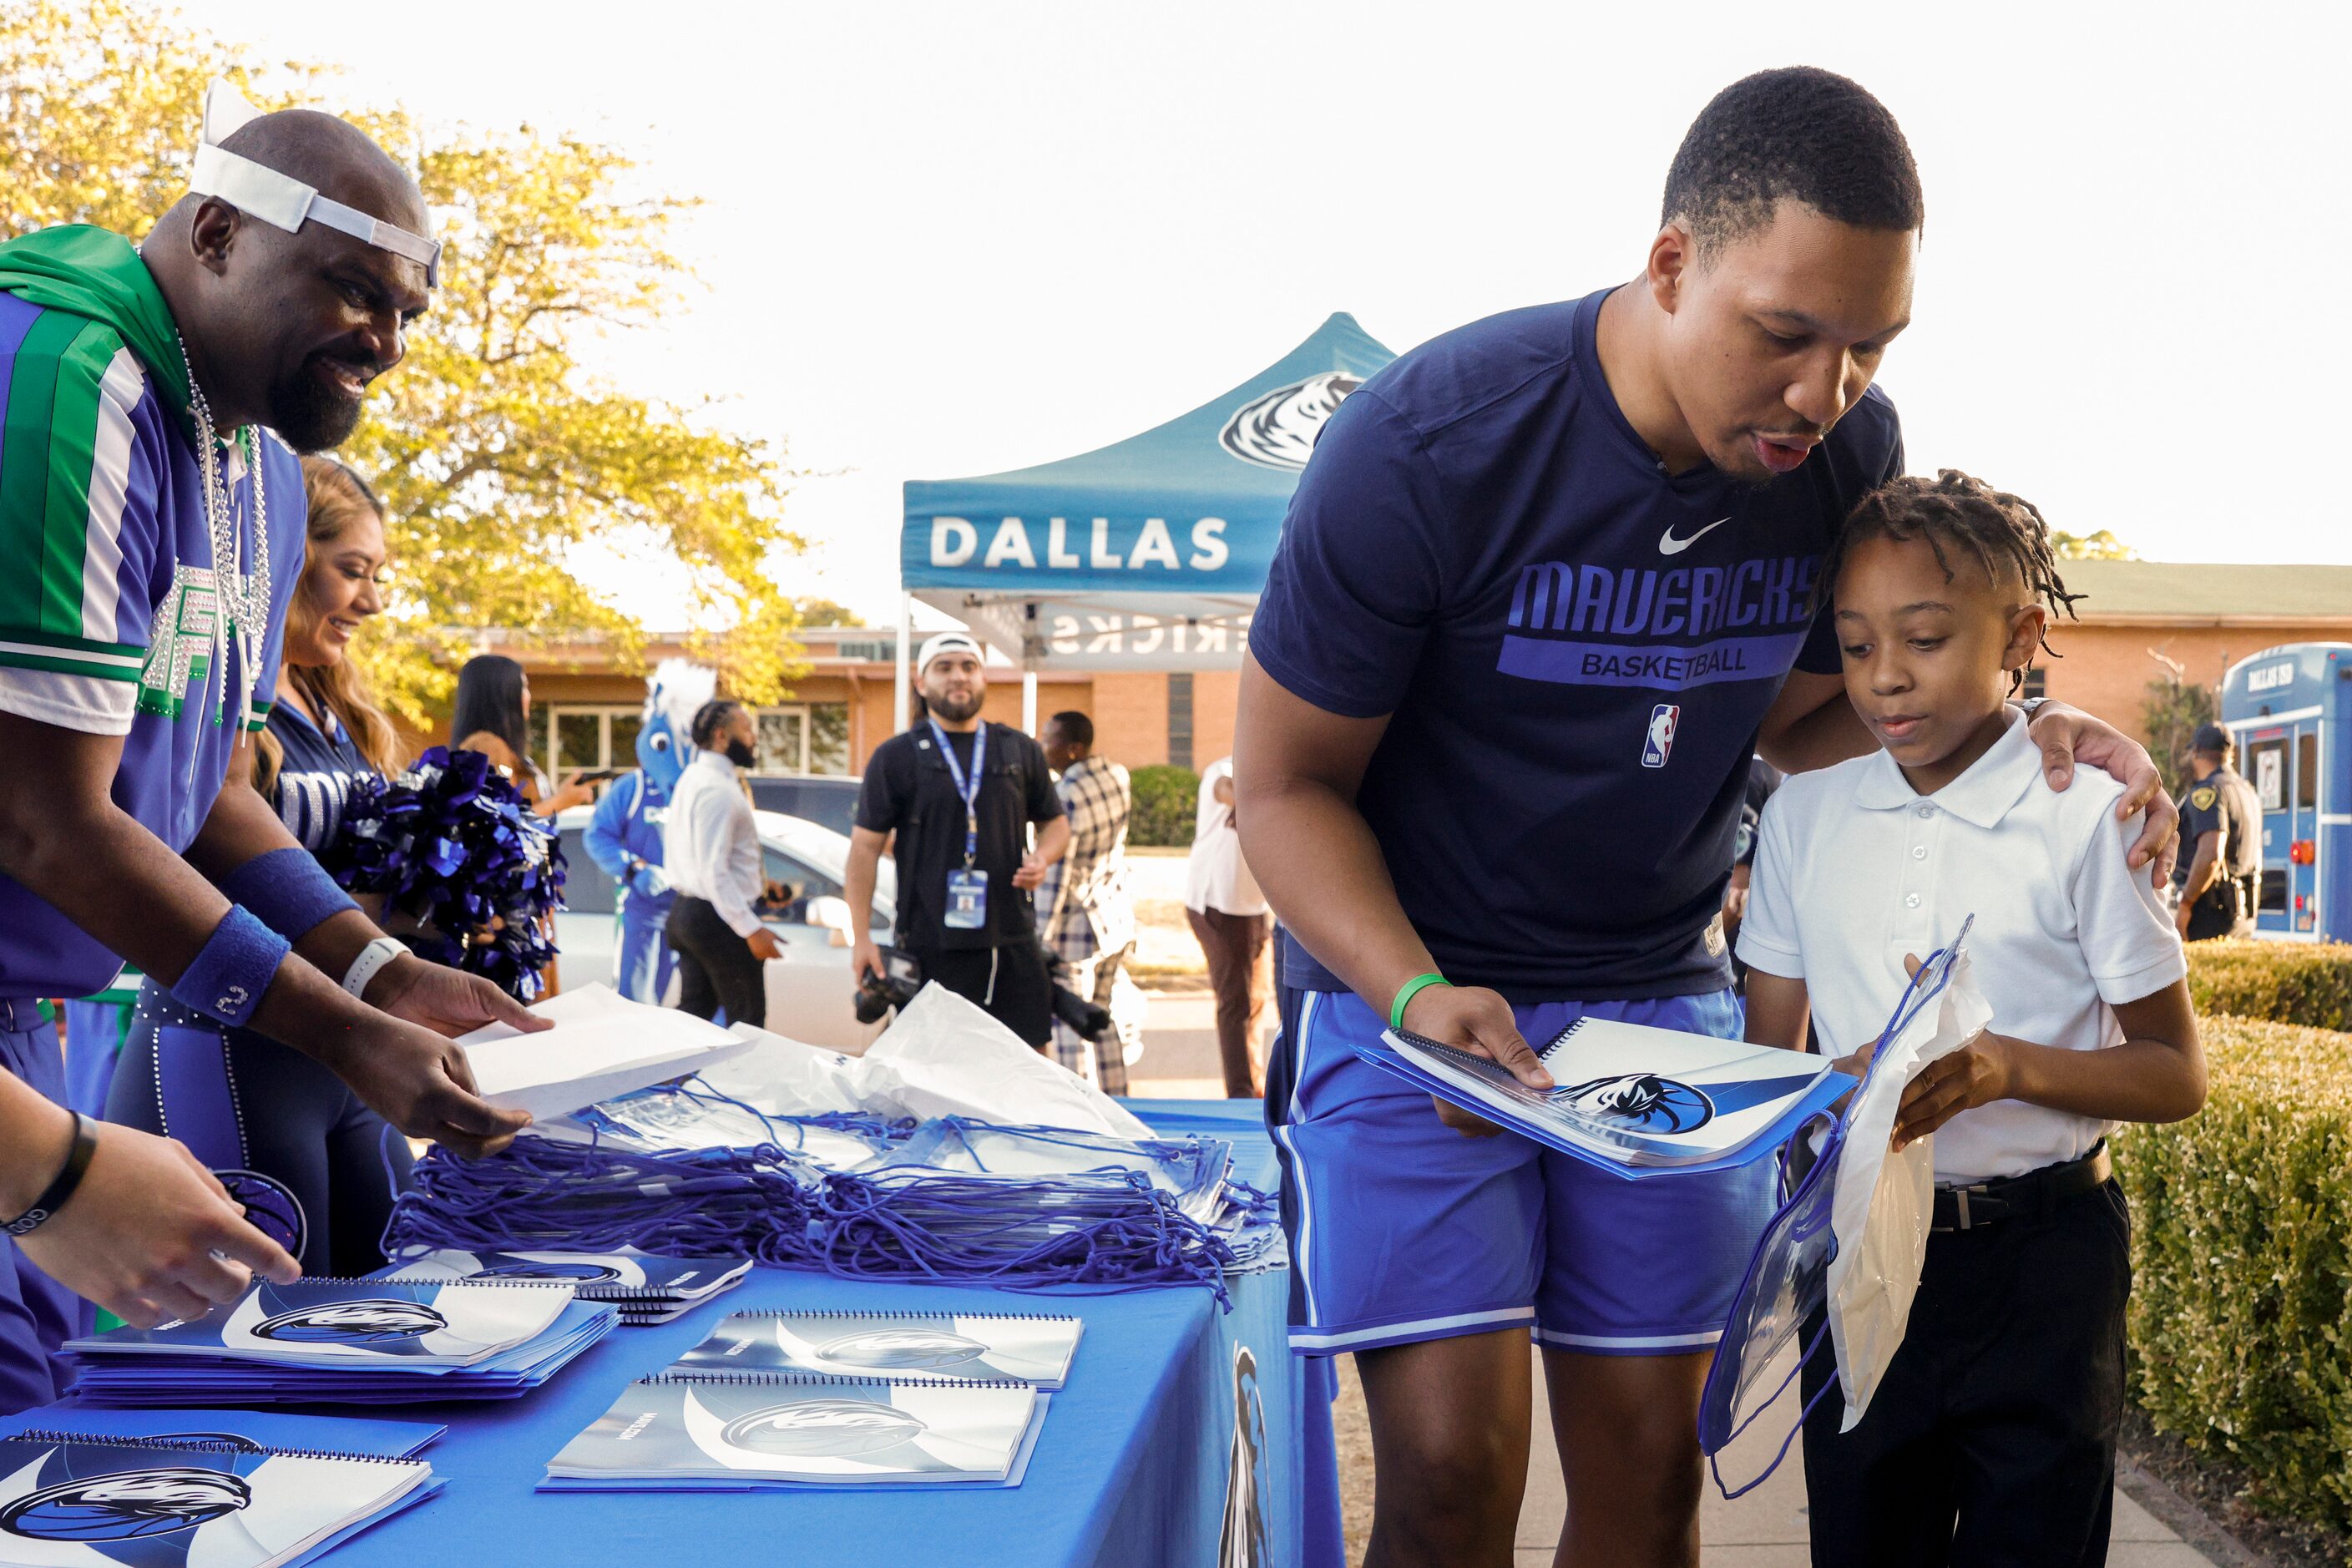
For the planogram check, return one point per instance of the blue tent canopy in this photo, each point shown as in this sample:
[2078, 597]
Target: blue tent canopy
[1146, 554]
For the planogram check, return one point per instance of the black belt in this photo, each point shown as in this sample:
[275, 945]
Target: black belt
[2034, 1196]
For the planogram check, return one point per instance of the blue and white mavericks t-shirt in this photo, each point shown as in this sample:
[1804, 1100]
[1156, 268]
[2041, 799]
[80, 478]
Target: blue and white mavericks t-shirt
[1577, 648]
[108, 600]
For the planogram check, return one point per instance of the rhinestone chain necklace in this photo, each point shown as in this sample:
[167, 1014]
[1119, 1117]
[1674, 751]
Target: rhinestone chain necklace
[243, 597]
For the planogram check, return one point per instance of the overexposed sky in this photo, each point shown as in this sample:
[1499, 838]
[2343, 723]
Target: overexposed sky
[947, 238]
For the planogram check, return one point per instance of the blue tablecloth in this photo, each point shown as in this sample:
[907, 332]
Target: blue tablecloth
[1141, 1461]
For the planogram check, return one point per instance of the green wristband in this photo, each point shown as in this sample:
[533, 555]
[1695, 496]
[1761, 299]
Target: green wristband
[1407, 992]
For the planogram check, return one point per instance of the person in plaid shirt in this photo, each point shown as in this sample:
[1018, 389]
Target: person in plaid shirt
[1088, 920]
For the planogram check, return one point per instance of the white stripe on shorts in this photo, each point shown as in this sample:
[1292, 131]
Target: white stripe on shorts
[1630, 1341]
[1420, 1328]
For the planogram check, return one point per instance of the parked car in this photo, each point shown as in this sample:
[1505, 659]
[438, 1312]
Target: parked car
[811, 996]
[829, 800]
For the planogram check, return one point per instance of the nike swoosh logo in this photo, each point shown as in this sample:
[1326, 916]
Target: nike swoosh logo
[1669, 545]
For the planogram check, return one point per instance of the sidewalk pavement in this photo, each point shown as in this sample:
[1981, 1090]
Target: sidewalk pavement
[1765, 1529]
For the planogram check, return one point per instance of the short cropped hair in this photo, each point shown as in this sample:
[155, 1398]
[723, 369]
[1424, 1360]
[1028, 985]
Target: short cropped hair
[1076, 727]
[709, 718]
[1797, 131]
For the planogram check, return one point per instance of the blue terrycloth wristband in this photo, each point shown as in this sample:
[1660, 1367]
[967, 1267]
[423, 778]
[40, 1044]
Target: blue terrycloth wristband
[228, 978]
[288, 890]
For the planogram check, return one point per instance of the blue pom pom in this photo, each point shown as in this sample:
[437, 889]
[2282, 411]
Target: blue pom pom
[451, 846]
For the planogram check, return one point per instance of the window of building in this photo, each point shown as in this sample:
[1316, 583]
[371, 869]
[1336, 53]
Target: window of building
[1179, 719]
[584, 736]
[805, 738]
[2037, 684]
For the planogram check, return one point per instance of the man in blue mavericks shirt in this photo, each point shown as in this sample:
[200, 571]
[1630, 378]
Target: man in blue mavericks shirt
[1544, 587]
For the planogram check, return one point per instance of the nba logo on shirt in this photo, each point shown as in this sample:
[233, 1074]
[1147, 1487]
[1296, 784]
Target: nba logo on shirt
[1659, 741]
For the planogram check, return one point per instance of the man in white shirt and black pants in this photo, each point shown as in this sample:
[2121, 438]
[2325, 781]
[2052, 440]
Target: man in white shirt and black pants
[711, 850]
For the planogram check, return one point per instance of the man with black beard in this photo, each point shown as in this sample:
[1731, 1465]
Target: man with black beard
[711, 848]
[152, 515]
[962, 793]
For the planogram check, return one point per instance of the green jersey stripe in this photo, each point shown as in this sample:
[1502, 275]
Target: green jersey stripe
[28, 655]
[25, 466]
[129, 653]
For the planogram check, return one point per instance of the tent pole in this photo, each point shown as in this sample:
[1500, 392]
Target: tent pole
[1029, 701]
[899, 702]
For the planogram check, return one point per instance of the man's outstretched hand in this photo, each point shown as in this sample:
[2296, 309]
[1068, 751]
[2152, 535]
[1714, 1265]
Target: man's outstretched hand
[420, 1082]
[150, 1236]
[1474, 1019]
[2068, 736]
[446, 1001]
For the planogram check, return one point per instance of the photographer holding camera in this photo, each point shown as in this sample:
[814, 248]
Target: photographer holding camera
[961, 793]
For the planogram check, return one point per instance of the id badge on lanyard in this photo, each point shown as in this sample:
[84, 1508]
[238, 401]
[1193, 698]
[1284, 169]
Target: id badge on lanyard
[967, 903]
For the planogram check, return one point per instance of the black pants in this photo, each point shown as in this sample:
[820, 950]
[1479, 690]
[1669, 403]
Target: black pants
[2225, 909]
[316, 1170]
[716, 968]
[1008, 982]
[1991, 1440]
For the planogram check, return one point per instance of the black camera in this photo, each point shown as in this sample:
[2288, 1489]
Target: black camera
[895, 986]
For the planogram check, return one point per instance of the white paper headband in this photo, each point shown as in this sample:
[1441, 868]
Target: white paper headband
[280, 200]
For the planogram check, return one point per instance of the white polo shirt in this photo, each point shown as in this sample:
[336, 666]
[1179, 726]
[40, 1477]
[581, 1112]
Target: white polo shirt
[1855, 868]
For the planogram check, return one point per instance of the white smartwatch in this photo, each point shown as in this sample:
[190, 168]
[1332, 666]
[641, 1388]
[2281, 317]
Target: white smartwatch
[372, 958]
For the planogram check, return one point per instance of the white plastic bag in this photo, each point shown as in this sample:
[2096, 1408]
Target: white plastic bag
[944, 1057]
[1885, 1202]
[1131, 1005]
[781, 1077]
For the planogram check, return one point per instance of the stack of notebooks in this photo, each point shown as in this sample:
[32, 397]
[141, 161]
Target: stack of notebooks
[1631, 1100]
[793, 1400]
[371, 1342]
[644, 1288]
[194, 1499]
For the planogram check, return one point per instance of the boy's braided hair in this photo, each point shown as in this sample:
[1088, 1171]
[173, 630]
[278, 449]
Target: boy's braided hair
[1960, 511]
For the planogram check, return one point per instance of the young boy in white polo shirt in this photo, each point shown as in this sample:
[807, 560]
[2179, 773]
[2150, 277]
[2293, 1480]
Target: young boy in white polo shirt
[1991, 1439]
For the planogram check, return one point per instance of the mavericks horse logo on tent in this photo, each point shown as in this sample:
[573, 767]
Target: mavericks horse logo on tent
[1277, 429]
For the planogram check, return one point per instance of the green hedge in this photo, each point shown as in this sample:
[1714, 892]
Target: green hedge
[2241, 1253]
[1166, 802]
[2284, 982]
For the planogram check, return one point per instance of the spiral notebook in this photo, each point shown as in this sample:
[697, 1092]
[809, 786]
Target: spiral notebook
[647, 1289]
[906, 1347]
[375, 1341]
[345, 1322]
[343, 1434]
[70, 1497]
[754, 1431]
[1634, 1100]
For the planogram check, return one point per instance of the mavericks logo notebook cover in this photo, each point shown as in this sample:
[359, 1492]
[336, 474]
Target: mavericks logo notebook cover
[825, 1431]
[159, 1503]
[1632, 1098]
[311, 1321]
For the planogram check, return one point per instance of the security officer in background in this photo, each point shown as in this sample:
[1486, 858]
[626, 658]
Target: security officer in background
[961, 793]
[2220, 837]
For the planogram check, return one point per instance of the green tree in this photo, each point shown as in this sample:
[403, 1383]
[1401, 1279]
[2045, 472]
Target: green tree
[2100, 546]
[2170, 715]
[498, 453]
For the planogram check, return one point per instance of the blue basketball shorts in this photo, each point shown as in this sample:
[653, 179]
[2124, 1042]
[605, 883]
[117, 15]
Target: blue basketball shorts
[1402, 1229]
